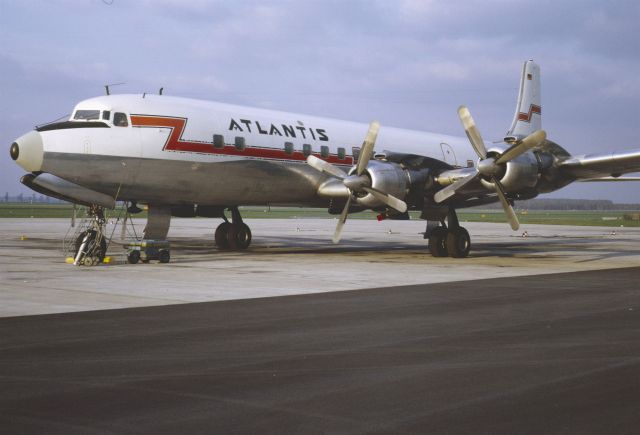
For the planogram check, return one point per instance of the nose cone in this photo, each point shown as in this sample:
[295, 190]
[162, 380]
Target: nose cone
[27, 151]
[487, 167]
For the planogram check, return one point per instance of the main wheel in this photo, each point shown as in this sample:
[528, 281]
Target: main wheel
[92, 248]
[438, 242]
[221, 236]
[239, 237]
[458, 242]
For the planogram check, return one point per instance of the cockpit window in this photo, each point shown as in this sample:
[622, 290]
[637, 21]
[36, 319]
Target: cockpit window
[120, 119]
[87, 114]
[106, 115]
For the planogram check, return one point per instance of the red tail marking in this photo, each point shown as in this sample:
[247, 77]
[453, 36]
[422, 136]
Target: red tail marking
[526, 117]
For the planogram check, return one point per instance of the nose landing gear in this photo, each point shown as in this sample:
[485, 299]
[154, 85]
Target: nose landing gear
[234, 235]
[90, 247]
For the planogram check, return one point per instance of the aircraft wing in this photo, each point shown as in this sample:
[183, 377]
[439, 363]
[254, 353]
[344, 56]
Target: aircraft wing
[592, 166]
[610, 179]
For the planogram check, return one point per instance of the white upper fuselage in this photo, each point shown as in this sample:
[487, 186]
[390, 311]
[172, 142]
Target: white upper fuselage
[154, 148]
[156, 130]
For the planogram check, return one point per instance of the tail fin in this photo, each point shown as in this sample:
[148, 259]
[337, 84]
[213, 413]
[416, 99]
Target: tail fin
[528, 116]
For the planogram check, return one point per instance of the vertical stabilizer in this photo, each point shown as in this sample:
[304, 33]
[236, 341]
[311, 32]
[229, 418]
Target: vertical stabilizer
[528, 116]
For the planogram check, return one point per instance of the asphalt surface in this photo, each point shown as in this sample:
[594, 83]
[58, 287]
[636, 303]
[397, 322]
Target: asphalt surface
[557, 353]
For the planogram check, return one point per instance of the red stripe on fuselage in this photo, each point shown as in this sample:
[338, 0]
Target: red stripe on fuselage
[175, 143]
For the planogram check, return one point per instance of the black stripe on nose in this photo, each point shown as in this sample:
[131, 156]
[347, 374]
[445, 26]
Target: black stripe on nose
[14, 151]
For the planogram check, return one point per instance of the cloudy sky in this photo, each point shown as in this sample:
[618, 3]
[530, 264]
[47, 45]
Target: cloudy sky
[407, 63]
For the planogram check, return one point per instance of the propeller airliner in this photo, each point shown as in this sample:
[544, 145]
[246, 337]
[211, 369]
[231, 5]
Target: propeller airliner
[186, 158]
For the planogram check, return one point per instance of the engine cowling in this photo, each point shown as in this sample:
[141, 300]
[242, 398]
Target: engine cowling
[386, 177]
[520, 174]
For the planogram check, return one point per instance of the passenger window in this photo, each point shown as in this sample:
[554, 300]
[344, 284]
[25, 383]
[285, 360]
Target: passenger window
[120, 119]
[342, 153]
[218, 141]
[324, 151]
[306, 149]
[288, 147]
[239, 143]
[106, 115]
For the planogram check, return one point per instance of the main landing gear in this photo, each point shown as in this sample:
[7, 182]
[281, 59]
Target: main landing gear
[234, 235]
[452, 241]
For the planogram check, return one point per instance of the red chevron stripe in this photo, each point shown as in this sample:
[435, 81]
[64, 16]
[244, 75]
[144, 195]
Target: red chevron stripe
[175, 143]
[526, 117]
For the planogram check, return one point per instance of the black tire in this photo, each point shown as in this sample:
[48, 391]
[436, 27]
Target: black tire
[97, 251]
[239, 237]
[458, 243]
[133, 257]
[221, 236]
[438, 242]
[164, 256]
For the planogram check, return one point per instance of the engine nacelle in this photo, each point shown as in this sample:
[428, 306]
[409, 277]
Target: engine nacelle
[386, 177]
[520, 175]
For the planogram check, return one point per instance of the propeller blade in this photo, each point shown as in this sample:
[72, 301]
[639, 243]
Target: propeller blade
[533, 140]
[451, 189]
[343, 218]
[326, 167]
[511, 215]
[367, 147]
[472, 132]
[390, 200]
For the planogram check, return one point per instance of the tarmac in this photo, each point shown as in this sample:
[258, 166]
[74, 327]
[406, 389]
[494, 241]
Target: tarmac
[287, 256]
[536, 334]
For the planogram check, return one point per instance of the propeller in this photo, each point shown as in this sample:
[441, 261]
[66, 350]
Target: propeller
[490, 166]
[358, 182]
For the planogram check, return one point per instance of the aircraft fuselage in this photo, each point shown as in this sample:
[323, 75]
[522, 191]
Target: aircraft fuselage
[182, 151]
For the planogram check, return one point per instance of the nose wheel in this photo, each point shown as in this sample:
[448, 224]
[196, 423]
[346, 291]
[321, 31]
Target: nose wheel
[90, 247]
[234, 235]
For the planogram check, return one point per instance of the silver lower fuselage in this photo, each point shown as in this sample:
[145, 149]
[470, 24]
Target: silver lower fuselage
[238, 182]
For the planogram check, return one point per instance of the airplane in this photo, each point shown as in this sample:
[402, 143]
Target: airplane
[184, 157]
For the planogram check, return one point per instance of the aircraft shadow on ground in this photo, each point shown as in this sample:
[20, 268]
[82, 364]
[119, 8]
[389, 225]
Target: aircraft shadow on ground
[190, 250]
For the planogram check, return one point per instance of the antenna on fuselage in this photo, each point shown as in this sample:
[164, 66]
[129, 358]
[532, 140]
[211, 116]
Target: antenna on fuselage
[106, 87]
[160, 91]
